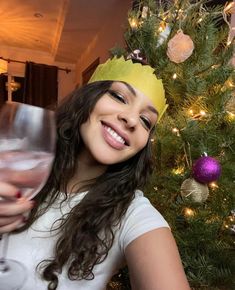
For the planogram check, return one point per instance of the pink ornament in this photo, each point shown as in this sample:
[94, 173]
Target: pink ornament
[180, 47]
[206, 169]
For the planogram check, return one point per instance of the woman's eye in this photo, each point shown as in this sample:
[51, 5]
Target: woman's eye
[146, 122]
[117, 96]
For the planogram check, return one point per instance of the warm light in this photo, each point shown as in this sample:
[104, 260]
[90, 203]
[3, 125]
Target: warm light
[191, 112]
[226, 226]
[133, 23]
[189, 212]
[3, 66]
[231, 116]
[229, 42]
[162, 26]
[175, 130]
[178, 171]
[232, 219]
[213, 185]
[230, 84]
[174, 76]
[14, 86]
[199, 20]
[152, 140]
[202, 113]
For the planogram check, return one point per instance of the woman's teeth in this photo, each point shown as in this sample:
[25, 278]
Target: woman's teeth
[115, 135]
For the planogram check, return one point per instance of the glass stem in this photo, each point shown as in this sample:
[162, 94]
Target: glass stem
[4, 238]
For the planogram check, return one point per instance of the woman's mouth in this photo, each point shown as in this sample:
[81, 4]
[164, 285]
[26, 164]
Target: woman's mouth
[113, 138]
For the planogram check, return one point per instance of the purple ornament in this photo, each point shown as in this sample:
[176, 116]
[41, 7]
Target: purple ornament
[206, 169]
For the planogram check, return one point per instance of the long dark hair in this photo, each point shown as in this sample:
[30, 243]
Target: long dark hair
[80, 245]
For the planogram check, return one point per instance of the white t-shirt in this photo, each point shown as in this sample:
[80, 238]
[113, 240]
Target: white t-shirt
[36, 244]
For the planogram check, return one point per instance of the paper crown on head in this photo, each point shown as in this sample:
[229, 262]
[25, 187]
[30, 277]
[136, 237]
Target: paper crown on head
[139, 76]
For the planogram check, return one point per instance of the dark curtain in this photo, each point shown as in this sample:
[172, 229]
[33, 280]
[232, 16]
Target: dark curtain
[41, 85]
[3, 91]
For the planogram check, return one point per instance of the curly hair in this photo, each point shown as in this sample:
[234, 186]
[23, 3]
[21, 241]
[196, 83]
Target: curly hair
[87, 232]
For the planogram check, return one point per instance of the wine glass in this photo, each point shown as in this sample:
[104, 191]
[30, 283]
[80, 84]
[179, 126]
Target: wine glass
[27, 145]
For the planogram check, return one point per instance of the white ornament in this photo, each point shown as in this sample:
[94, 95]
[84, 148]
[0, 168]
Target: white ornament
[163, 35]
[136, 54]
[180, 47]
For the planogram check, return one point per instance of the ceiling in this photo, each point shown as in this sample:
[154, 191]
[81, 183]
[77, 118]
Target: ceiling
[62, 28]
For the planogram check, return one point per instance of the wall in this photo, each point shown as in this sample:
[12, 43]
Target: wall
[108, 37]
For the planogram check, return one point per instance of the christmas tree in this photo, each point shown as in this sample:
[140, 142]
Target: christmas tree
[190, 45]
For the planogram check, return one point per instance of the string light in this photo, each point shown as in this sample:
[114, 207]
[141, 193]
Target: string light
[133, 22]
[229, 42]
[213, 185]
[178, 171]
[176, 131]
[202, 113]
[231, 116]
[174, 76]
[190, 112]
[189, 212]
[232, 219]
[199, 20]
[230, 84]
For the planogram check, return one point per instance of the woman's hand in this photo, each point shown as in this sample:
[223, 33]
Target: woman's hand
[13, 207]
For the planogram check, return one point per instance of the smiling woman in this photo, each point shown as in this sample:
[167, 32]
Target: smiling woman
[91, 217]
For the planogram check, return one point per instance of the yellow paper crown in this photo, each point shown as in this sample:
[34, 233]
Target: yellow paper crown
[139, 76]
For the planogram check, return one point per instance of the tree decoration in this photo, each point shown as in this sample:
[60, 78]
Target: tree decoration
[163, 32]
[137, 55]
[194, 191]
[180, 47]
[206, 169]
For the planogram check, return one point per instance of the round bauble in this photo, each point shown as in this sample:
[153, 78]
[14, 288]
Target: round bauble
[194, 191]
[206, 169]
[180, 47]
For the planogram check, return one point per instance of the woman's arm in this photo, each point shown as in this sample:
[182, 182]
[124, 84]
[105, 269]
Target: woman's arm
[154, 262]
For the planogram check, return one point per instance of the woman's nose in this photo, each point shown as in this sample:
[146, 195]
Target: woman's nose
[130, 119]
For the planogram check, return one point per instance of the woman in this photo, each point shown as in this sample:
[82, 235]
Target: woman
[91, 218]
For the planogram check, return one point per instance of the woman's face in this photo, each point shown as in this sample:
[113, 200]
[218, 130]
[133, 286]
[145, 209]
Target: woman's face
[119, 125]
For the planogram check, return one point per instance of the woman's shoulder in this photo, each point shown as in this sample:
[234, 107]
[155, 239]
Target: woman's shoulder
[140, 217]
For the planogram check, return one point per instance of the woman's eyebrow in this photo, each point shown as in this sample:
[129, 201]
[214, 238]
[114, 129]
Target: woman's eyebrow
[152, 109]
[132, 91]
[129, 87]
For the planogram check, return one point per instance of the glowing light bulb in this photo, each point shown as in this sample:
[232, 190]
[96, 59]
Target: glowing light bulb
[175, 130]
[231, 116]
[230, 84]
[133, 23]
[213, 185]
[229, 42]
[178, 171]
[174, 76]
[189, 212]
[202, 113]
